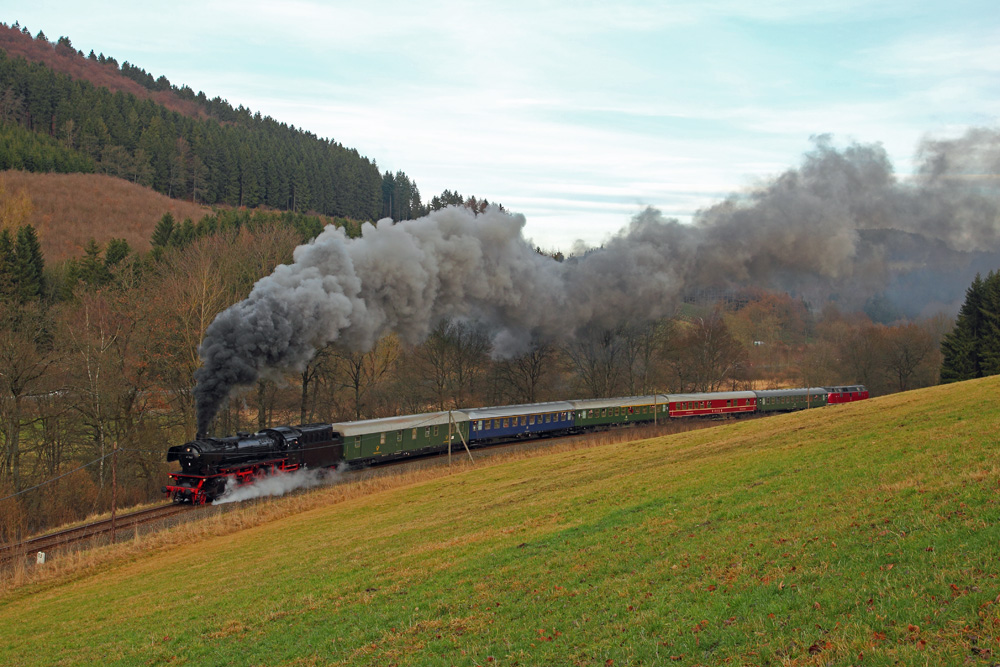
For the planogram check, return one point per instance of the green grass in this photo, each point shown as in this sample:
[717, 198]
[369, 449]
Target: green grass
[860, 534]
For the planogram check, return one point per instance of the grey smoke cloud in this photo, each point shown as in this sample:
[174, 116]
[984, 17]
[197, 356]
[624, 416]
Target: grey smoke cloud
[840, 223]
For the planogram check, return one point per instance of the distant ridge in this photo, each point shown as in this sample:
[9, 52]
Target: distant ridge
[65, 60]
[93, 114]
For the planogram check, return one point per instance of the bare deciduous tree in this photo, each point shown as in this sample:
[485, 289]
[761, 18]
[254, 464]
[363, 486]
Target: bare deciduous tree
[25, 358]
[905, 347]
[521, 378]
[361, 372]
[596, 357]
[706, 355]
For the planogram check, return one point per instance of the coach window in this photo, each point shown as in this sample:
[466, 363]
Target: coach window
[506, 422]
[357, 441]
[435, 430]
[413, 435]
[531, 420]
[399, 436]
[381, 438]
[427, 431]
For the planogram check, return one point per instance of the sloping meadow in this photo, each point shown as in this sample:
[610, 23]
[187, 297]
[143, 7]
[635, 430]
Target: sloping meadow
[858, 534]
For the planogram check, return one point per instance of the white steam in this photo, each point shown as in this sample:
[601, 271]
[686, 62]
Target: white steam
[277, 484]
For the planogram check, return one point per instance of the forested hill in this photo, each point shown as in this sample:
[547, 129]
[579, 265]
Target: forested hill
[62, 111]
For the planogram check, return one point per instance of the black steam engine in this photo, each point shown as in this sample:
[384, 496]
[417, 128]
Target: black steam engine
[208, 463]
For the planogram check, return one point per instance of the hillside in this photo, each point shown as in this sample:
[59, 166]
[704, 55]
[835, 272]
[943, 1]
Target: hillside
[70, 209]
[61, 57]
[61, 111]
[844, 535]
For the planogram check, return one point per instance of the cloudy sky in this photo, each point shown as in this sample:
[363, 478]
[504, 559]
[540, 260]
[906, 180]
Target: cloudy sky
[576, 114]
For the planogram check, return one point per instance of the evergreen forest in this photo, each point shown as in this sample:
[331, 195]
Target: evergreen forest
[51, 121]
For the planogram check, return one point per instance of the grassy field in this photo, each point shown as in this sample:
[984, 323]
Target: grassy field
[850, 535]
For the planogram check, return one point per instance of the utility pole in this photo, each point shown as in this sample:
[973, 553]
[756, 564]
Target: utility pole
[452, 427]
[114, 487]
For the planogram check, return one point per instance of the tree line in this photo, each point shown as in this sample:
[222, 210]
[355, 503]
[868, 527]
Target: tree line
[50, 121]
[254, 162]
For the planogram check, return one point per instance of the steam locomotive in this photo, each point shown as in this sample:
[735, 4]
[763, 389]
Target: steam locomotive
[209, 464]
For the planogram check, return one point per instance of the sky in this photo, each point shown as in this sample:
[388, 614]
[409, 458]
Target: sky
[578, 115]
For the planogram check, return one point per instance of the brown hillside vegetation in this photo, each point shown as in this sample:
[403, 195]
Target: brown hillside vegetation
[70, 209]
[66, 60]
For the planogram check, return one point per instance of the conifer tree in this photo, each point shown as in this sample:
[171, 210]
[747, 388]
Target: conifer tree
[990, 313]
[164, 231]
[117, 250]
[972, 349]
[28, 265]
[6, 265]
[92, 270]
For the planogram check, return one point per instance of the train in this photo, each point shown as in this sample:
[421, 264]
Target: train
[209, 464]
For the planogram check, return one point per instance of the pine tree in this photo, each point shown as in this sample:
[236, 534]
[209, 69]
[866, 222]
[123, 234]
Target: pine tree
[990, 312]
[117, 250]
[92, 270]
[28, 265]
[972, 349]
[164, 231]
[6, 265]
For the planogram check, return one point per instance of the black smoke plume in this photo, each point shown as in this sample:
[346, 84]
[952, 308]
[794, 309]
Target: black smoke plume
[841, 226]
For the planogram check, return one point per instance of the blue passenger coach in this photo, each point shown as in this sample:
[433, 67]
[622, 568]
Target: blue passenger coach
[513, 421]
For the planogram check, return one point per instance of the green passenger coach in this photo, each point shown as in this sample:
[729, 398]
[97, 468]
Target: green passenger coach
[787, 400]
[590, 413]
[397, 437]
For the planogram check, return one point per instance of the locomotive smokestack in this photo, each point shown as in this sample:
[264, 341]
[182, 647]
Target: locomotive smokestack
[810, 228]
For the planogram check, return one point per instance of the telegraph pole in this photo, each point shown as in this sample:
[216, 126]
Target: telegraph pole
[452, 427]
[114, 487]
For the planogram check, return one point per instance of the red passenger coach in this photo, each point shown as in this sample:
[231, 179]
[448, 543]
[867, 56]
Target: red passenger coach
[847, 394]
[717, 403]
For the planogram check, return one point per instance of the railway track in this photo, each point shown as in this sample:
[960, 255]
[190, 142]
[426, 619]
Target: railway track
[97, 529]
[90, 534]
